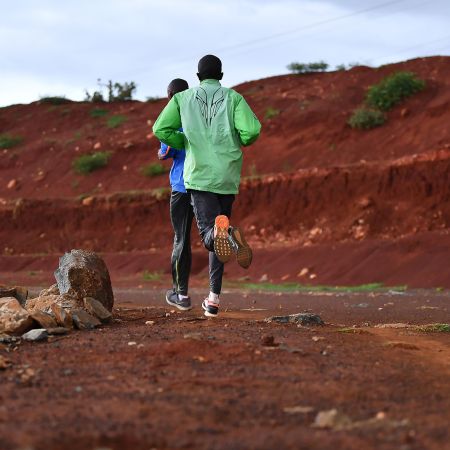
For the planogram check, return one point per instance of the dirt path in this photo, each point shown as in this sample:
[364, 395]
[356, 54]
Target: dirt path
[162, 379]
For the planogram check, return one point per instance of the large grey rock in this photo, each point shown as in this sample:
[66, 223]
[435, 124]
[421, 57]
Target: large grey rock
[84, 274]
[301, 319]
[13, 318]
[39, 334]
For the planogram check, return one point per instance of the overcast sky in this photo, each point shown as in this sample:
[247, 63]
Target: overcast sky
[61, 47]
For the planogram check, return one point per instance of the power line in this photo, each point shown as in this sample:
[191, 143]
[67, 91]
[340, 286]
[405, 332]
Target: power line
[406, 50]
[286, 33]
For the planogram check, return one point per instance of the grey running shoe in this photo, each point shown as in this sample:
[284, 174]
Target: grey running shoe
[173, 300]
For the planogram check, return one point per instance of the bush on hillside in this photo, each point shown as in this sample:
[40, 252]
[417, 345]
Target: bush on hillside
[296, 67]
[365, 119]
[116, 92]
[393, 89]
[55, 100]
[85, 164]
[9, 141]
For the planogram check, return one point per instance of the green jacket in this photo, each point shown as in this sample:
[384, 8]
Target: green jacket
[216, 122]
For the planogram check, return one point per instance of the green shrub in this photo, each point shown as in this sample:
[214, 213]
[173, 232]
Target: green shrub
[56, 100]
[98, 112]
[115, 121]
[393, 89]
[117, 92]
[271, 112]
[8, 141]
[365, 119]
[85, 164]
[153, 170]
[296, 67]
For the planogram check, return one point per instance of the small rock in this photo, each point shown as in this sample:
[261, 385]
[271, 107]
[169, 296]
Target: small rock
[317, 338]
[132, 343]
[331, 419]
[57, 331]
[83, 320]
[63, 317]
[78, 389]
[13, 318]
[95, 308]
[97, 145]
[403, 345]
[303, 319]
[18, 292]
[268, 341]
[195, 336]
[150, 322]
[42, 303]
[298, 409]
[264, 278]
[87, 201]
[12, 184]
[44, 319]
[303, 272]
[39, 334]
[4, 363]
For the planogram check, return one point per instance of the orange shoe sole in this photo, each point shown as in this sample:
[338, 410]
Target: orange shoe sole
[222, 247]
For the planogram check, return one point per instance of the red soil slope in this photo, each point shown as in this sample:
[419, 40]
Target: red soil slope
[315, 185]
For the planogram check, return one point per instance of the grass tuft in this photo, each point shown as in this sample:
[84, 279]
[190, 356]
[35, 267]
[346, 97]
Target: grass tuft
[153, 170]
[86, 164]
[116, 121]
[366, 119]
[152, 276]
[8, 141]
[98, 112]
[271, 113]
[435, 328]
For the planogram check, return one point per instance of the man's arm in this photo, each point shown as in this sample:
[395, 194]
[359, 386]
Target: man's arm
[246, 123]
[167, 125]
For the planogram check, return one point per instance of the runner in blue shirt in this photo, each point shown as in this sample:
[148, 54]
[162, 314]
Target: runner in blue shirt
[181, 215]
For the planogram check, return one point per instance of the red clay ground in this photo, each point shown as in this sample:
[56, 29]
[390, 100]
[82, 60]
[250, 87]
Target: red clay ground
[194, 383]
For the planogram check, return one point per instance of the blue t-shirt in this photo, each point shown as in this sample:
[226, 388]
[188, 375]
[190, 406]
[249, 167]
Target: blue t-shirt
[176, 172]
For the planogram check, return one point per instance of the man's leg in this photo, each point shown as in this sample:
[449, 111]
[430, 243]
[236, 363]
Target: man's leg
[215, 266]
[181, 217]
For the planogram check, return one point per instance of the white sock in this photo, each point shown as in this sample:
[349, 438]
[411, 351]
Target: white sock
[213, 298]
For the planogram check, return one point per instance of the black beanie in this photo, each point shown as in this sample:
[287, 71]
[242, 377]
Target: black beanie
[210, 66]
[177, 85]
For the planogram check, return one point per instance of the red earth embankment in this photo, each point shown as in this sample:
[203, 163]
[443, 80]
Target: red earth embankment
[312, 186]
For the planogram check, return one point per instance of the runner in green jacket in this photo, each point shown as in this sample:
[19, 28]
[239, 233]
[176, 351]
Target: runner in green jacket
[216, 122]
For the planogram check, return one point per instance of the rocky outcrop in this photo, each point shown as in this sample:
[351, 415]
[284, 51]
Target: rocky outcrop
[84, 274]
